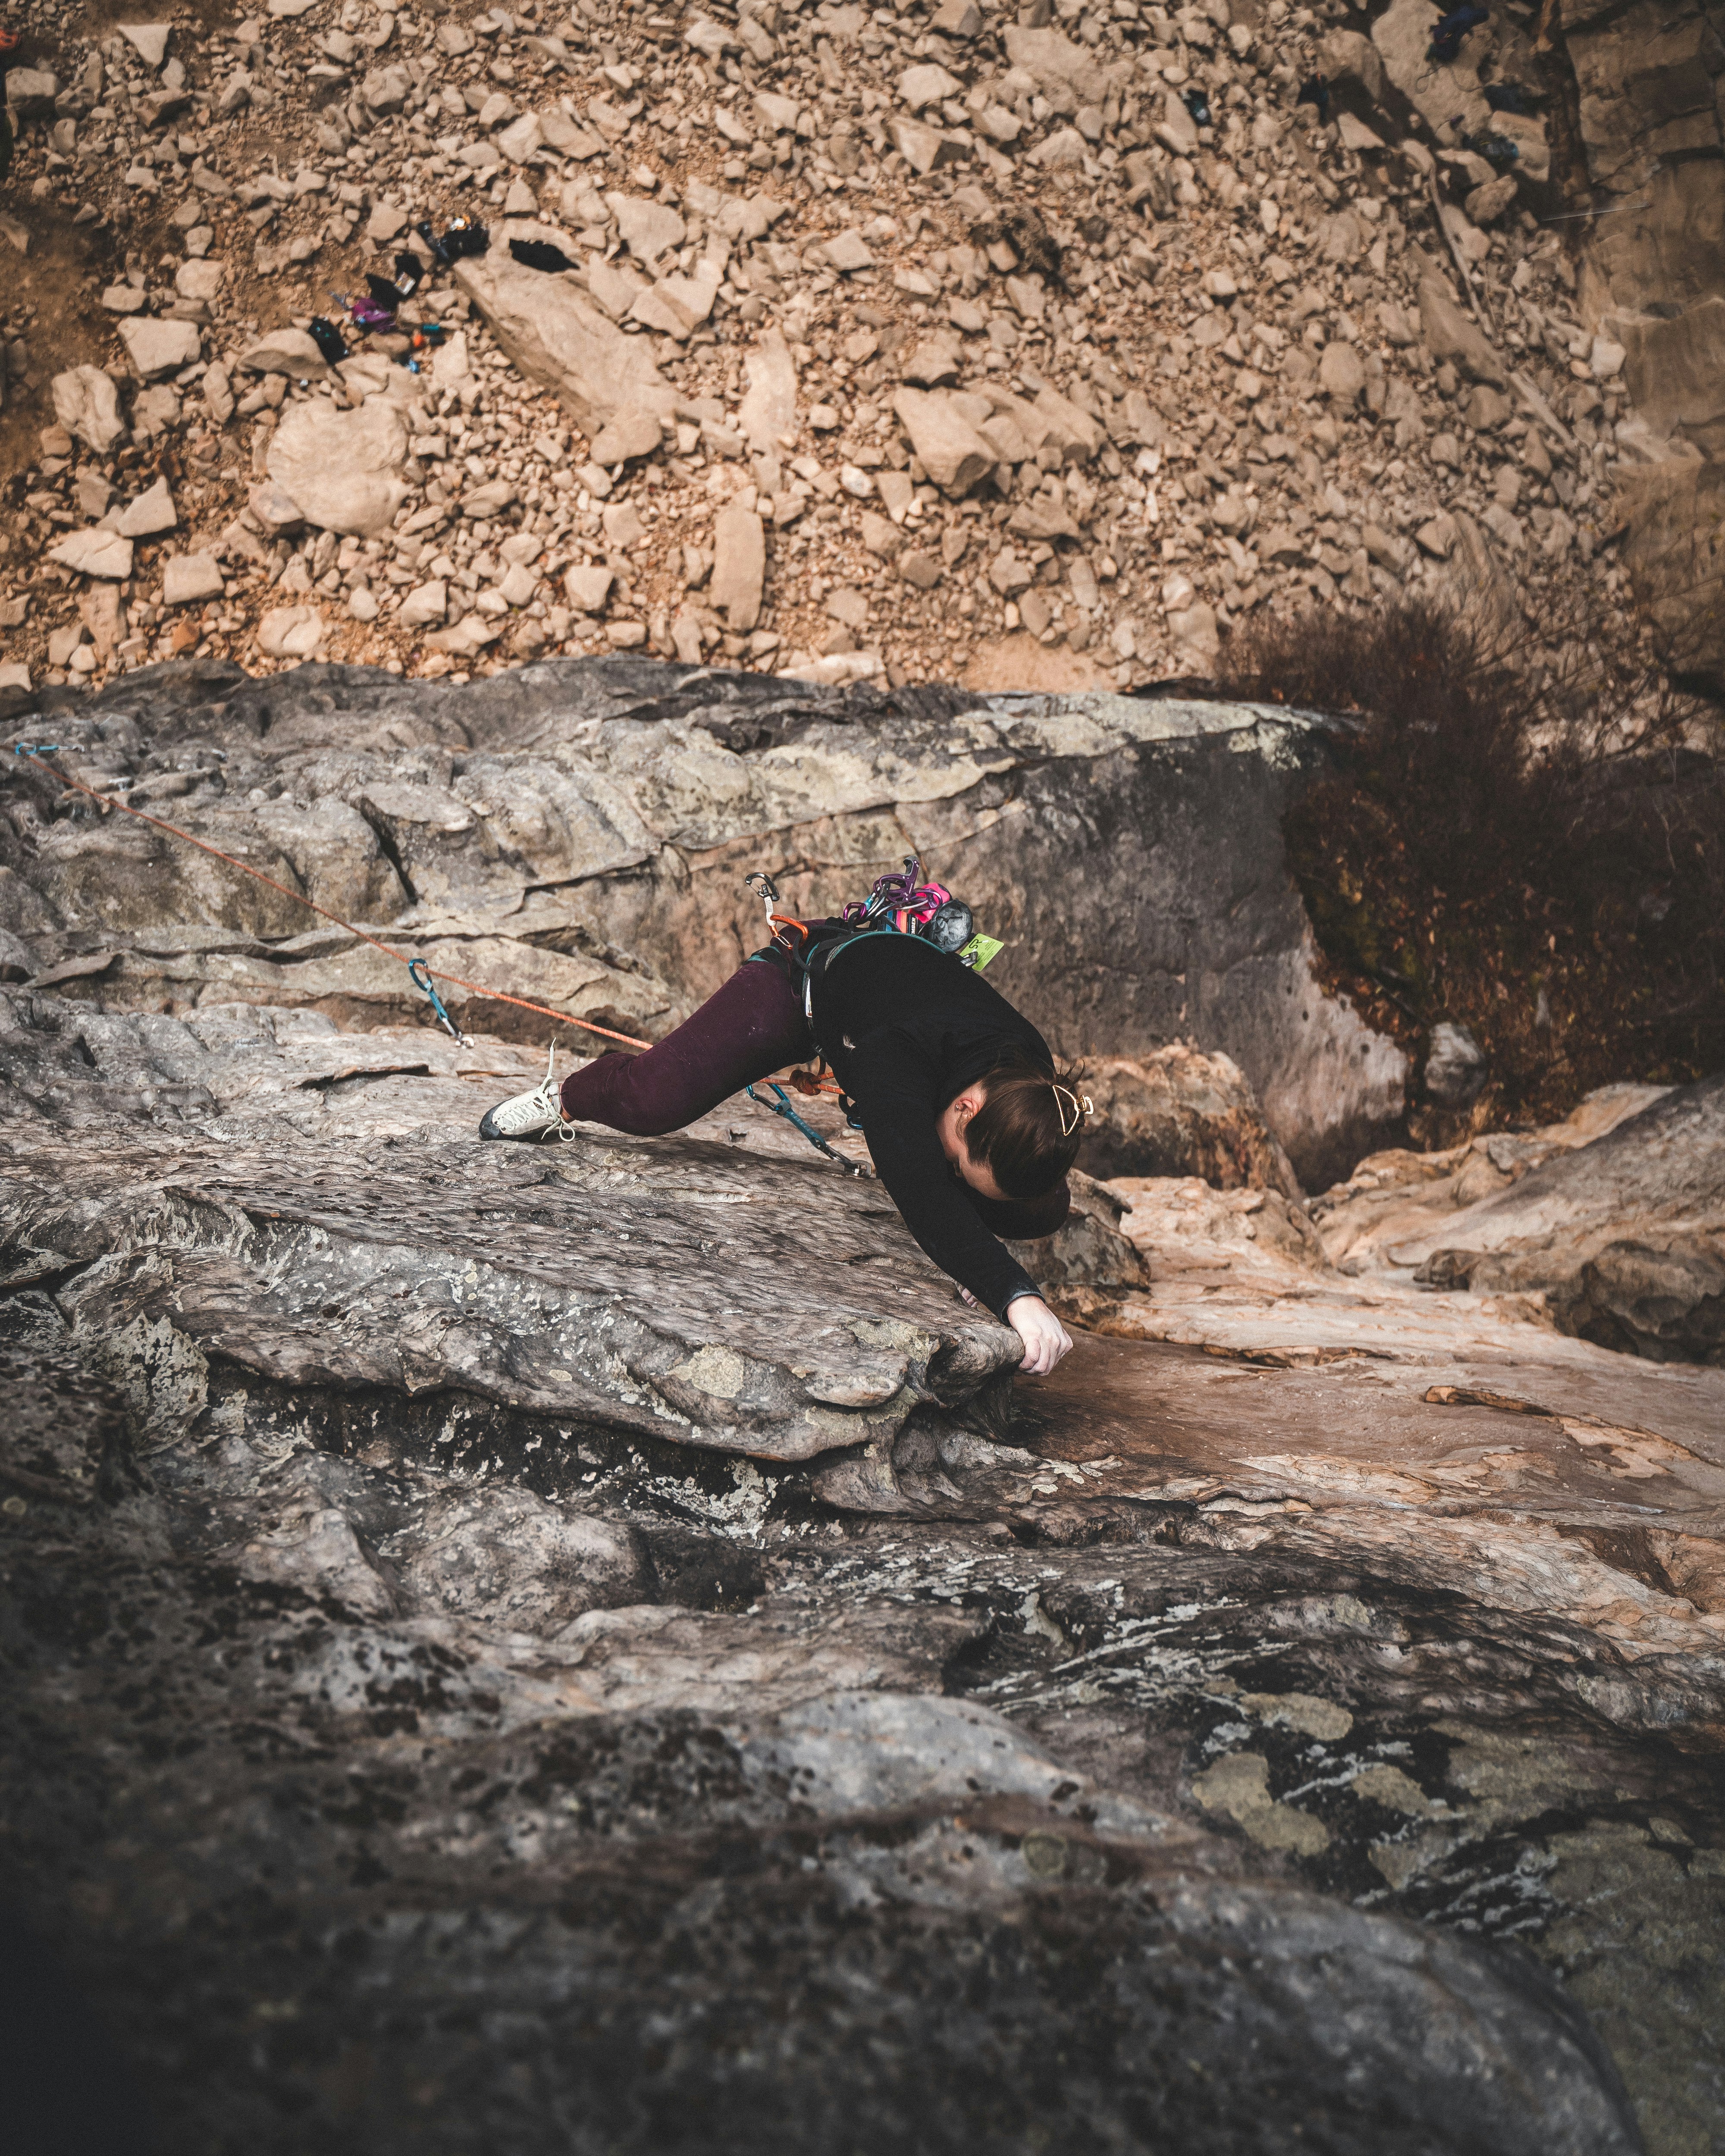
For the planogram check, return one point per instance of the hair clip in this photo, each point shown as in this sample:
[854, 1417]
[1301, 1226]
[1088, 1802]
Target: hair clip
[1082, 1109]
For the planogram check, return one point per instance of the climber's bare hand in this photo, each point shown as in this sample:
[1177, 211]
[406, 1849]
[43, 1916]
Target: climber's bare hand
[1045, 1338]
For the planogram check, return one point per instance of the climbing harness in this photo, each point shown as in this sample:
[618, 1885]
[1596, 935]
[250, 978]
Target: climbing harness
[35, 752]
[904, 904]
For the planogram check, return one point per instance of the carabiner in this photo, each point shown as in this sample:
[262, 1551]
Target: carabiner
[418, 967]
[768, 893]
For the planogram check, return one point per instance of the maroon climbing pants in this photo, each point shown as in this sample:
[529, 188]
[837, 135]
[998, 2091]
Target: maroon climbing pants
[753, 1026]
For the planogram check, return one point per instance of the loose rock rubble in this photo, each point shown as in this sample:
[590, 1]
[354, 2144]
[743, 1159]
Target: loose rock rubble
[884, 337]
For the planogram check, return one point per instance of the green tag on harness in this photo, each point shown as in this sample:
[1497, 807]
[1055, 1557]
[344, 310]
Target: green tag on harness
[979, 951]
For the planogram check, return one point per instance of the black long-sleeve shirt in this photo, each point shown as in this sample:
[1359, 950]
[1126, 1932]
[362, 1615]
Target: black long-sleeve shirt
[905, 1029]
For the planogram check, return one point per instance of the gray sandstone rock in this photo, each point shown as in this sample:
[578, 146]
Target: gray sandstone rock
[30, 92]
[448, 1558]
[94, 553]
[739, 565]
[285, 351]
[1138, 883]
[186, 578]
[152, 511]
[1654, 1186]
[630, 433]
[1454, 1066]
[953, 452]
[1675, 553]
[769, 405]
[1180, 1112]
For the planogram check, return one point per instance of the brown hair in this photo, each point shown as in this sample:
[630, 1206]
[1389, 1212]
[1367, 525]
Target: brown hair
[1026, 1134]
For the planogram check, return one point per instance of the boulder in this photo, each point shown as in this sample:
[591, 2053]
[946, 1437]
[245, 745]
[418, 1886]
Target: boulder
[424, 604]
[630, 433]
[1445, 96]
[149, 40]
[520, 140]
[739, 573]
[924, 148]
[1448, 334]
[152, 511]
[344, 469]
[158, 347]
[554, 333]
[1177, 130]
[491, 498]
[386, 90]
[953, 454]
[1455, 1075]
[274, 509]
[94, 553]
[201, 279]
[292, 632]
[588, 586]
[188, 578]
[936, 361]
[1056, 61]
[928, 84]
[647, 228]
[1349, 61]
[87, 405]
[286, 351]
[769, 404]
[1179, 1112]
[1125, 810]
[848, 252]
[1341, 373]
[31, 92]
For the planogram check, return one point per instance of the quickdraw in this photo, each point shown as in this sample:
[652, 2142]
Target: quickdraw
[782, 1106]
[419, 973]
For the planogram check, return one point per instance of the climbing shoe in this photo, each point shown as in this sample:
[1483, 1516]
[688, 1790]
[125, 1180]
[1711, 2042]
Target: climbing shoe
[530, 1117]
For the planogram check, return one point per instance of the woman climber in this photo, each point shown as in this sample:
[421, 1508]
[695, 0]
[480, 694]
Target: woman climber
[971, 1126]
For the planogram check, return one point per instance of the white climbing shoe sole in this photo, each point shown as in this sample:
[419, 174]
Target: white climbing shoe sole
[529, 1116]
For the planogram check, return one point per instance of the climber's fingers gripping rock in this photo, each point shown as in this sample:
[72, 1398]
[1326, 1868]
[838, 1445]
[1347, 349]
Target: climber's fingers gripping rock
[1045, 1339]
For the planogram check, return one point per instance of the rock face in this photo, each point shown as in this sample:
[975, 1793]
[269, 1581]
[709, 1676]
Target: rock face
[363, 1540]
[1180, 1112]
[1624, 1238]
[599, 1315]
[529, 832]
[1674, 554]
[87, 406]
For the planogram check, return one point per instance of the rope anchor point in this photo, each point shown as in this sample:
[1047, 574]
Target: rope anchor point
[419, 972]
